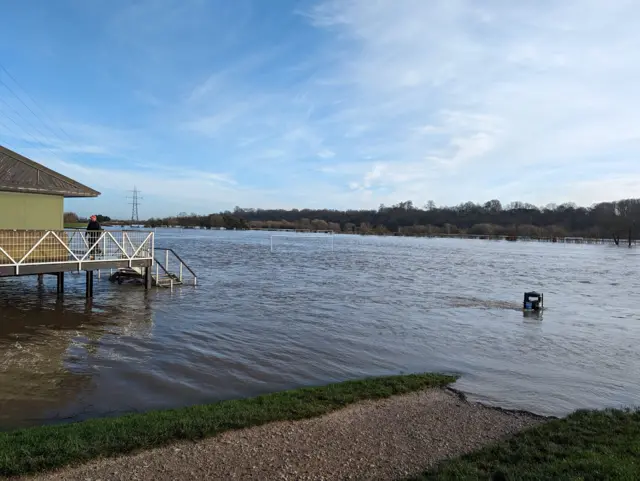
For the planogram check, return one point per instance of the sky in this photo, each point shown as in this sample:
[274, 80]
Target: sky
[204, 105]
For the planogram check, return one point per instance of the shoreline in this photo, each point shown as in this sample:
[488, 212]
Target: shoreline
[464, 397]
[379, 439]
[49, 447]
[405, 427]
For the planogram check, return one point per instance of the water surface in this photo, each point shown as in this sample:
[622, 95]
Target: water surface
[305, 314]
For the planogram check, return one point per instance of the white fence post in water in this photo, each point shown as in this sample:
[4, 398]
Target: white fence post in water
[166, 260]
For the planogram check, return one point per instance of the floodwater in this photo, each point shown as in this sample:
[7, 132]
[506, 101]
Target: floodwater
[305, 314]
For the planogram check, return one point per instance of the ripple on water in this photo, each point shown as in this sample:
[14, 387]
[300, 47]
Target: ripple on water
[304, 315]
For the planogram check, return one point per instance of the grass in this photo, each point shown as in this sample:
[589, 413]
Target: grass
[47, 447]
[75, 225]
[585, 446]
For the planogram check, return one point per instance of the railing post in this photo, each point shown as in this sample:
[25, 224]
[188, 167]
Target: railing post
[166, 260]
[180, 271]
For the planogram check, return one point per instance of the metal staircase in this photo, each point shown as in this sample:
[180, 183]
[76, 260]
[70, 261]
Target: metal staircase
[164, 275]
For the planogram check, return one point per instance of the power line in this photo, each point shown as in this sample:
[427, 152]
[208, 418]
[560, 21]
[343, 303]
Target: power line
[25, 130]
[20, 115]
[35, 141]
[34, 103]
[8, 129]
[29, 134]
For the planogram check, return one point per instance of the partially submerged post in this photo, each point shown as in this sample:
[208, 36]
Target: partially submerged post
[533, 301]
[60, 283]
[89, 290]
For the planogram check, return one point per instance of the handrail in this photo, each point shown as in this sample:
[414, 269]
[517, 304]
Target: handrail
[162, 267]
[177, 257]
[20, 248]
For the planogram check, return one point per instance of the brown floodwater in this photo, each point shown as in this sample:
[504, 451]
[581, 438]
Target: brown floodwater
[304, 314]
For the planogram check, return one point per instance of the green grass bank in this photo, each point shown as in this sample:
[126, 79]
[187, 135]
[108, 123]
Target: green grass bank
[585, 446]
[48, 447]
[75, 225]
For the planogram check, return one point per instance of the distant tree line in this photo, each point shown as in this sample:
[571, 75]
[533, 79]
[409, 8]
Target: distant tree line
[616, 219]
[224, 220]
[73, 218]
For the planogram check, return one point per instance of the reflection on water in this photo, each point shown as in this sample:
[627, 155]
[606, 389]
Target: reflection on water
[48, 346]
[262, 321]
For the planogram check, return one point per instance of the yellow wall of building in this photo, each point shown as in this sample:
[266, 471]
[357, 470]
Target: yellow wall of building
[31, 211]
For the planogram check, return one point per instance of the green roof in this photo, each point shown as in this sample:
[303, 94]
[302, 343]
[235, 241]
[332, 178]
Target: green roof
[20, 174]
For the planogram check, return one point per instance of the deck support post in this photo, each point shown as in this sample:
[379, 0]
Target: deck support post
[40, 279]
[89, 292]
[60, 283]
[147, 277]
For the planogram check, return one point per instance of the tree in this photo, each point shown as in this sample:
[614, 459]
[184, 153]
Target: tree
[319, 224]
[493, 206]
[215, 221]
[70, 218]
[617, 219]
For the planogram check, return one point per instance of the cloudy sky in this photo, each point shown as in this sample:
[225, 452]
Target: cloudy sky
[209, 104]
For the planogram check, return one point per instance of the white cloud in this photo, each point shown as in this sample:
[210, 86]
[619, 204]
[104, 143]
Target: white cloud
[326, 154]
[67, 139]
[464, 97]
[383, 101]
[206, 188]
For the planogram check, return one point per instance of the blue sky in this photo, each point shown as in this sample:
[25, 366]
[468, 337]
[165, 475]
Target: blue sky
[209, 104]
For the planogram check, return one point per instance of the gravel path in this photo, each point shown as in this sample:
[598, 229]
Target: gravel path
[386, 439]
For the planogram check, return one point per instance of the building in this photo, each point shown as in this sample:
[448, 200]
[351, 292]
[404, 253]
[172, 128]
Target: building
[32, 196]
[32, 236]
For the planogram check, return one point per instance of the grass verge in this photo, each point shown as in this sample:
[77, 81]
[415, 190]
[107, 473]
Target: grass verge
[587, 445]
[47, 447]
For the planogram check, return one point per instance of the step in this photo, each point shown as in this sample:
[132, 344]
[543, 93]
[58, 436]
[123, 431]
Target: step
[166, 282]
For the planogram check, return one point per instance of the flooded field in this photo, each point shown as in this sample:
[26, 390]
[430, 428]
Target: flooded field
[305, 314]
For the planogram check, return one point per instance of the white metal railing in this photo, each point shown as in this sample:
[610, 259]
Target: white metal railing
[168, 264]
[27, 247]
